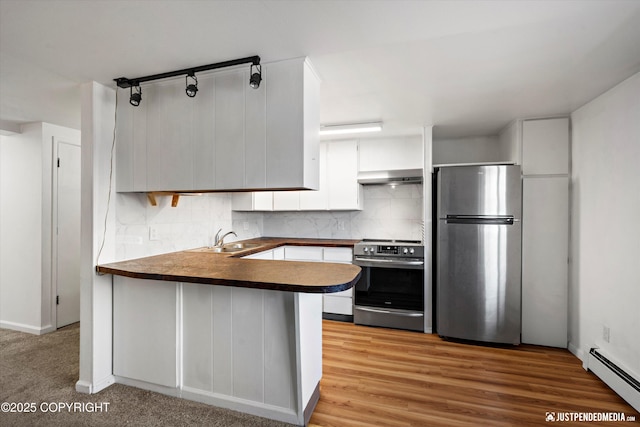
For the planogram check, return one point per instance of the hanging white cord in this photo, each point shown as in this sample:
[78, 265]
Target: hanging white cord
[113, 145]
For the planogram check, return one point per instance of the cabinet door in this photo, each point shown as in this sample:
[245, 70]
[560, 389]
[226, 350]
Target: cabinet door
[286, 200]
[390, 154]
[545, 246]
[285, 145]
[303, 253]
[342, 175]
[545, 147]
[229, 130]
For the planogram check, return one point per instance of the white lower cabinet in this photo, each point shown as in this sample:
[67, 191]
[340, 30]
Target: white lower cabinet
[545, 246]
[144, 324]
[334, 303]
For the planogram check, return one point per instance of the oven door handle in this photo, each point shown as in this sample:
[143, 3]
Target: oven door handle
[376, 262]
[377, 310]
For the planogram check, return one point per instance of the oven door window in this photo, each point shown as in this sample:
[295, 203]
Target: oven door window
[390, 288]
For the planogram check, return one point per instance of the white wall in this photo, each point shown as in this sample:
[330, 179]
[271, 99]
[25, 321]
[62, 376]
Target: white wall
[26, 176]
[605, 241]
[21, 229]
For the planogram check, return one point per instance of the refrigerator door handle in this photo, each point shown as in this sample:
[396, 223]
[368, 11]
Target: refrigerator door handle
[472, 219]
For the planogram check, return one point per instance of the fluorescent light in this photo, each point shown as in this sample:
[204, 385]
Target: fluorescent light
[350, 128]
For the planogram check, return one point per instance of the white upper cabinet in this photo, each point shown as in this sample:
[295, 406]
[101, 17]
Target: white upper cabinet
[317, 200]
[229, 137]
[545, 146]
[339, 189]
[229, 108]
[342, 176]
[391, 154]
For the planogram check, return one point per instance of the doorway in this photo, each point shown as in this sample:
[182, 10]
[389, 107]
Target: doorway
[66, 232]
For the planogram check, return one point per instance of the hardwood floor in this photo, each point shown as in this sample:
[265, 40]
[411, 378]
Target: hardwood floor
[383, 377]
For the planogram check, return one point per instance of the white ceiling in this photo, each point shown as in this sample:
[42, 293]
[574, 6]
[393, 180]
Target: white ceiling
[467, 67]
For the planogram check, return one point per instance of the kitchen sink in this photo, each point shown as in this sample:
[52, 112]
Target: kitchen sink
[228, 248]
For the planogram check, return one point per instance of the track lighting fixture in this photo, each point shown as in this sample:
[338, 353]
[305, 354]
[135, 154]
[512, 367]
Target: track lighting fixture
[135, 97]
[192, 88]
[256, 78]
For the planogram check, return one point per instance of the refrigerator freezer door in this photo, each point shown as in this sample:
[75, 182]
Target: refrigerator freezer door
[478, 281]
[480, 190]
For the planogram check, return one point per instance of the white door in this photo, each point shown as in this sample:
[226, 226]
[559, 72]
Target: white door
[67, 241]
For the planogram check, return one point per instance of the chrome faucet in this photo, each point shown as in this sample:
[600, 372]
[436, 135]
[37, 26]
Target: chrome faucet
[219, 241]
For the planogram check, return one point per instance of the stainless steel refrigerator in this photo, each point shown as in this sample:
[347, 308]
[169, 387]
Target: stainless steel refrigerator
[478, 252]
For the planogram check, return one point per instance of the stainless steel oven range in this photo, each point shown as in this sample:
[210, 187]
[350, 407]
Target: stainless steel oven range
[390, 291]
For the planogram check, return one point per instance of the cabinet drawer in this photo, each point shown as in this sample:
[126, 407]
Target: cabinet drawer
[337, 305]
[303, 253]
[338, 255]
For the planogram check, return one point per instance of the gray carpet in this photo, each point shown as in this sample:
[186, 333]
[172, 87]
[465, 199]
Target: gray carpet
[37, 369]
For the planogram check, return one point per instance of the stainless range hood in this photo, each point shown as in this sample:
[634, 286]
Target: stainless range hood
[391, 177]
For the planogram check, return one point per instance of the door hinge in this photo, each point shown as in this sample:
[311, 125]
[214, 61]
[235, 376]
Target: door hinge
[58, 161]
[57, 299]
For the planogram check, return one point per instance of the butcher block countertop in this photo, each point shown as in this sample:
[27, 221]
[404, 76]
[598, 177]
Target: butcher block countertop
[229, 269]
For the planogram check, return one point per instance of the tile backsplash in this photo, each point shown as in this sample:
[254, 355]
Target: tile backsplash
[388, 213]
[145, 230]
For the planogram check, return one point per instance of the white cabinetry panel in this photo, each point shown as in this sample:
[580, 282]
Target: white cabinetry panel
[197, 371]
[390, 154]
[144, 324]
[317, 200]
[286, 200]
[545, 147]
[303, 253]
[342, 175]
[229, 137]
[545, 233]
[229, 130]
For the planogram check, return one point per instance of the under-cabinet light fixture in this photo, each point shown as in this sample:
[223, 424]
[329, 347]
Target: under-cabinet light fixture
[348, 128]
[135, 98]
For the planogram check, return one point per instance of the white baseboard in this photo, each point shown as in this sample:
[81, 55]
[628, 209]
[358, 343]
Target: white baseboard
[87, 387]
[614, 380]
[21, 327]
[241, 405]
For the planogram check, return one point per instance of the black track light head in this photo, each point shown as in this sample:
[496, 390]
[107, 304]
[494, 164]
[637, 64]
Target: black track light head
[256, 78]
[192, 89]
[135, 97]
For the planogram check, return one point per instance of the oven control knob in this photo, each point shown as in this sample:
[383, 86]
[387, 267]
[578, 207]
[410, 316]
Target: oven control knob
[411, 251]
[371, 250]
[405, 251]
[366, 249]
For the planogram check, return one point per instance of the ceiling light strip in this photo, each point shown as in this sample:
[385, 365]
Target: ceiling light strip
[349, 128]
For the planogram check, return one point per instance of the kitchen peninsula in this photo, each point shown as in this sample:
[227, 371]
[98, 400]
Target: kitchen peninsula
[244, 334]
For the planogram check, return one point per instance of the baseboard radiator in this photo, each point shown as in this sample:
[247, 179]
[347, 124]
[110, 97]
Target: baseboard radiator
[615, 377]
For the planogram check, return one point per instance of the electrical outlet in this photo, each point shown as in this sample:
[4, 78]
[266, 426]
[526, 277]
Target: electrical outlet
[606, 333]
[245, 225]
[341, 225]
[154, 233]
